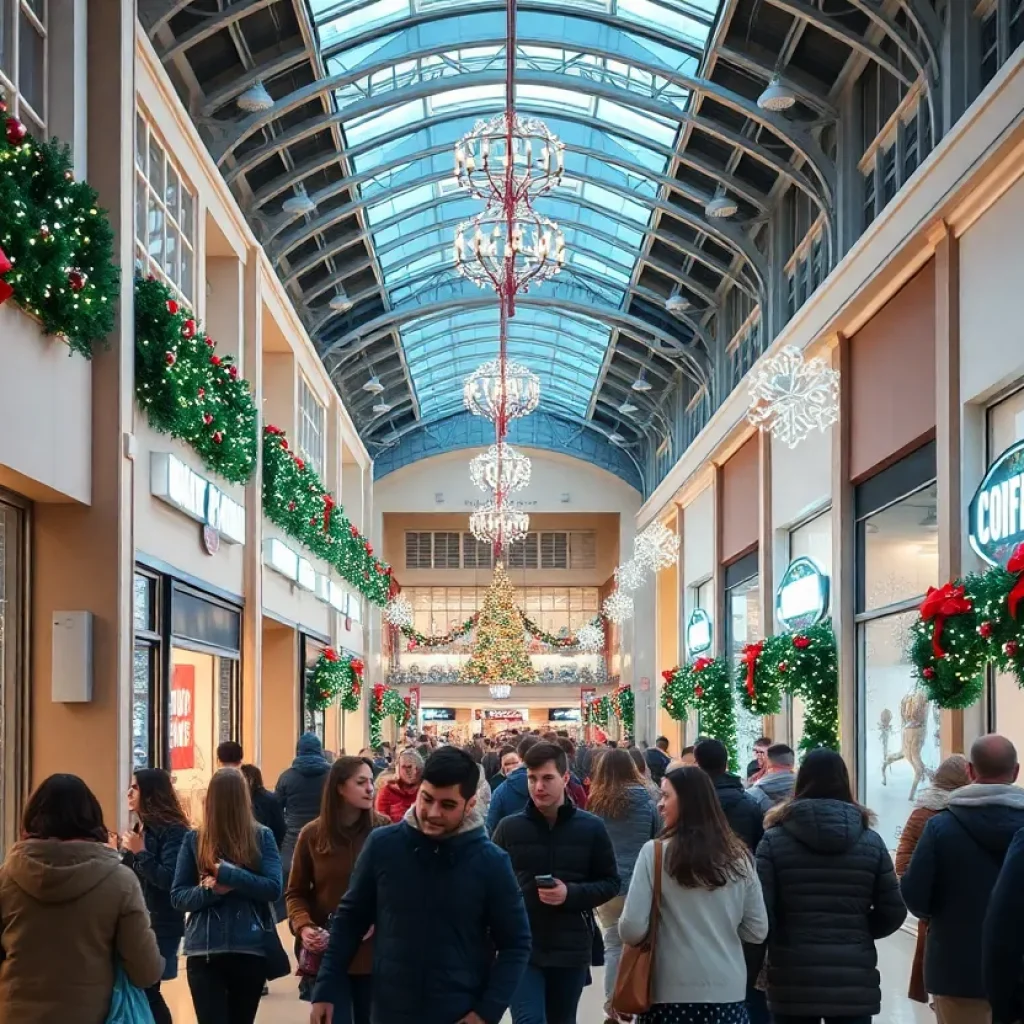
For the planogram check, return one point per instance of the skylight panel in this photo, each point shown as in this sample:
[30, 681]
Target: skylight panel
[378, 13]
[633, 120]
[382, 122]
[549, 96]
[648, 13]
[468, 97]
[402, 201]
[603, 197]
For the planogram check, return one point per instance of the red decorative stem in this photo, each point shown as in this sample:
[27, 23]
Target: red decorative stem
[939, 604]
[750, 655]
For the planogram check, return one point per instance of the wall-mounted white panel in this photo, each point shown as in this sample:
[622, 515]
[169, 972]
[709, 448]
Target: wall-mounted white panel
[699, 538]
[801, 477]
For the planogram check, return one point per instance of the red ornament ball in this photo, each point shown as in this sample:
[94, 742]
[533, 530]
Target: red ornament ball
[985, 630]
[291, 506]
[215, 360]
[698, 691]
[369, 548]
[16, 131]
[170, 358]
[201, 392]
[217, 437]
[299, 464]
[233, 372]
[929, 673]
[188, 328]
[353, 530]
[783, 666]
[1010, 648]
[207, 418]
[801, 642]
[209, 342]
[172, 306]
[76, 280]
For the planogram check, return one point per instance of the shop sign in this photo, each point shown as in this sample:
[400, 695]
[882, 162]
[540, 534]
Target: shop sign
[437, 714]
[183, 718]
[306, 576]
[281, 558]
[564, 715]
[698, 632]
[802, 597]
[182, 488]
[997, 509]
[506, 714]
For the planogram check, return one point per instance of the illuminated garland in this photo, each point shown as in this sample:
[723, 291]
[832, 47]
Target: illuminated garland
[704, 686]
[599, 712]
[417, 639]
[295, 500]
[803, 664]
[386, 702]
[551, 639]
[56, 245]
[189, 391]
[334, 678]
[623, 706]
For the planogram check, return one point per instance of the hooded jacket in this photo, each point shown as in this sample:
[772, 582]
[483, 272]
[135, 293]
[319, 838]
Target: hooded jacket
[951, 877]
[1003, 942]
[395, 798]
[831, 892]
[772, 788]
[69, 913]
[300, 787]
[631, 831]
[465, 886]
[741, 809]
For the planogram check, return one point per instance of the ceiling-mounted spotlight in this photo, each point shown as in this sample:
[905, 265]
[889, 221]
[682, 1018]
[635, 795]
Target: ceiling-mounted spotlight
[721, 206]
[677, 303]
[641, 383]
[776, 96]
[255, 99]
[340, 302]
[381, 407]
[628, 408]
[616, 438]
[298, 204]
[373, 385]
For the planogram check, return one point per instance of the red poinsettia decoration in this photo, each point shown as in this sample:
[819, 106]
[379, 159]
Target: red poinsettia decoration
[330, 654]
[669, 674]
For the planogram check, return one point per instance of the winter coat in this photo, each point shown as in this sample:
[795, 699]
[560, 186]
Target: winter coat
[465, 886]
[232, 922]
[637, 826]
[267, 811]
[300, 787]
[1002, 949]
[741, 809]
[155, 867]
[395, 798]
[495, 782]
[658, 761]
[772, 789]
[69, 914]
[578, 852]
[319, 880]
[483, 794]
[576, 792]
[509, 798]
[951, 877]
[831, 892]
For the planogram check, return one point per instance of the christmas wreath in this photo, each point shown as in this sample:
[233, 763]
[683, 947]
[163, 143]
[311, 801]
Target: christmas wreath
[333, 678]
[704, 686]
[387, 702]
[189, 391]
[56, 245]
[295, 500]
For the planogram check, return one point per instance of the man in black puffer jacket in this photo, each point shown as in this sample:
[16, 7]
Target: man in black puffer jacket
[566, 867]
[741, 810]
[831, 892]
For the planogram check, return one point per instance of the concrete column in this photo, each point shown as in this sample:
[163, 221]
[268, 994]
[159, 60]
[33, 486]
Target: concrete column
[766, 555]
[718, 617]
[643, 633]
[68, 69]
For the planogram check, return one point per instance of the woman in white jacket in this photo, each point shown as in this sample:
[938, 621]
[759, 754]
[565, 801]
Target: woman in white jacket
[711, 904]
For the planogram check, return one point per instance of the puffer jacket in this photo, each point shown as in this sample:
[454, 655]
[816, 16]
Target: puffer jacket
[155, 866]
[578, 852]
[951, 876]
[629, 833]
[301, 786]
[68, 913]
[741, 810]
[772, 788]
[465, 884]
[509, 798]
[231, 922]
[831, 892]
[1003, 942]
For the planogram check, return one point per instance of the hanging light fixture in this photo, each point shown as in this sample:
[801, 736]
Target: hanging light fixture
[722, 206]
[499, 526]
[340, 302]
[502, 468]
[677, 303]
[299, 203]
[500, 691]
[255, 99]
[657, 547]
[381, 407]
[373, 385]
[790, 396]
[481, 159]
[484, 388]
[590, 638]
[628, 408]
[641, 384]
[776, 96]
[398, 611]
[492, 254]
[618, 607]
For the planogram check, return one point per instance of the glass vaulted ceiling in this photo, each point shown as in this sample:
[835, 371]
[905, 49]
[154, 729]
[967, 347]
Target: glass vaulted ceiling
[603, 75]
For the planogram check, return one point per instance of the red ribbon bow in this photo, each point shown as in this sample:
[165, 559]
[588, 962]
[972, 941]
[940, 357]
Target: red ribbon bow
[328, 509]
[750, 655]
[6, 266]
[1016, 565]
[668, 675]
[702, 663]
[357, 666]
[330, 654]
[939, 604]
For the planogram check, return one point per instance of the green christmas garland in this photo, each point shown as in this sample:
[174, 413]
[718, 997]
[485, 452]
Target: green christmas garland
[623, 706]
[599, 712]
[56, 245]
[417, 639]
[295, 500]
[189, 391]
[386, 702]
[704, 686]
[334, 678]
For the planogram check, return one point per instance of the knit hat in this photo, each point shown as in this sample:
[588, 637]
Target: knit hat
[952, 773]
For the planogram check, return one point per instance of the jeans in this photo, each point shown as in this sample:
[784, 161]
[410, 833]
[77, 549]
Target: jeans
[157, 1006]
[782, 1018]
[608, 914]
[548, 995]
[757, 1006]
[226, 987]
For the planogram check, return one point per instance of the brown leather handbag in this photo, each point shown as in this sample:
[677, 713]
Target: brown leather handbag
[636, 968]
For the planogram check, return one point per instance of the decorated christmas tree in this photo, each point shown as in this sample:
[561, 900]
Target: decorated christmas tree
[499, 653]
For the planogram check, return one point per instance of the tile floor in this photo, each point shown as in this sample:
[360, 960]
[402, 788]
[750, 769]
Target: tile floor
[894, 955]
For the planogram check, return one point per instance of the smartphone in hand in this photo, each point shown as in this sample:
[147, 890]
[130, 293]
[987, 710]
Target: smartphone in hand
[545, 881]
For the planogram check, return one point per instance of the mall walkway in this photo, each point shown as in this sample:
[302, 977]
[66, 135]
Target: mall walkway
[894, 955]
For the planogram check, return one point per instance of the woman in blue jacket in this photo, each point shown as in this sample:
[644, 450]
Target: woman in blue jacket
[151, 852]
[228, 875]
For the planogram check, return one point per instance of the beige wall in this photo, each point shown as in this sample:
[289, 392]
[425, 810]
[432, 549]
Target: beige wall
[740, 501]
[699, 543]
[801, 478]
[281, 724]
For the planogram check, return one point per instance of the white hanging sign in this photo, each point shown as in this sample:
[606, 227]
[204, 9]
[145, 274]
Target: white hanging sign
[178, 485]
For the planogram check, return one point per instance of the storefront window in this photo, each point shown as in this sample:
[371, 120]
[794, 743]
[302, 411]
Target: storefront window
[898, 560]
[145, 662]
[744, 625]
[12, 612]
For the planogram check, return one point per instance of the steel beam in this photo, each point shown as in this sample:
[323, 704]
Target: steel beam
[212, 24]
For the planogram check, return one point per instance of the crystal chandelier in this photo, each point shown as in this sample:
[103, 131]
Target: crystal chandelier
[657, 547]
[509, 254]
[484, 388]
[630, 575]
[500, 691]
[481, 159]
[499, 526]
[502, 468]
[618, 607]
[398, 611]
[590, 638]
[791, 396]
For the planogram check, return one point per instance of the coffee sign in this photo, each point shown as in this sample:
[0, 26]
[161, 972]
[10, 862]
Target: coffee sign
[802, 597]
[997, 509]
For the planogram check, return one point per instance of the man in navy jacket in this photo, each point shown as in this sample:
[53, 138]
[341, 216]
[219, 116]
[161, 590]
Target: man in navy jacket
[438, 866]
[513, 794]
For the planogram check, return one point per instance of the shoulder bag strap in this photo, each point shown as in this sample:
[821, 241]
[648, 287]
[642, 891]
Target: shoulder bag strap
[652, 929]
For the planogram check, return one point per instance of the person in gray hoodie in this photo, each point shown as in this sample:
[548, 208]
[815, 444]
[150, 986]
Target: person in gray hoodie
[779, 779]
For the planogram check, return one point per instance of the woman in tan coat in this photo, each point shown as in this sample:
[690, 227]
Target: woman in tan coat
[949, 776]
[70, 913]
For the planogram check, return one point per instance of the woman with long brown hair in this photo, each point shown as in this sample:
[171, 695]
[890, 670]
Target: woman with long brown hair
[228, 875]
[619, 798]
[151, 851]
[710, 905]
[321, 868]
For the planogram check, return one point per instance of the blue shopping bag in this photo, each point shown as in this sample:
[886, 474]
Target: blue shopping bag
[129, 1004]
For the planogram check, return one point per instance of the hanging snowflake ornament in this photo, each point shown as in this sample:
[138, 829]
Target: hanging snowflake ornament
[590, 638]
[618, 607]
[630, 575]
[790, 396]
[657, 547]
[398, 612]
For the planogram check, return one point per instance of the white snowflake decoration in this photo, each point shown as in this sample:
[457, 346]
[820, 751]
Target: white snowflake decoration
[630, 575]
[657, 547]
[618, 607]
[791, 396]
[590, 637]
[398, 611]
